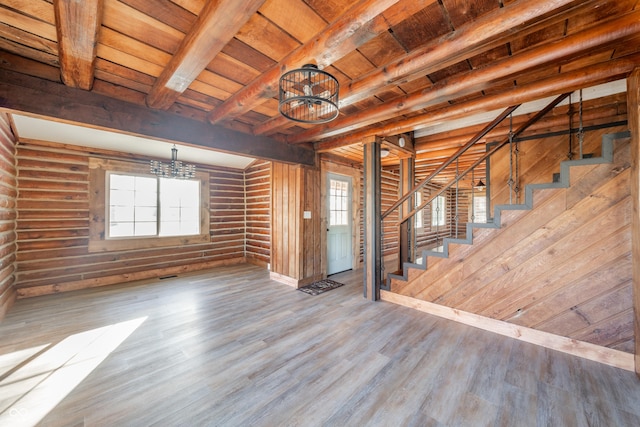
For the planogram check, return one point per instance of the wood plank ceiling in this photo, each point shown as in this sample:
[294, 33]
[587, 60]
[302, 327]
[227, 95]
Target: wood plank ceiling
[403, 65]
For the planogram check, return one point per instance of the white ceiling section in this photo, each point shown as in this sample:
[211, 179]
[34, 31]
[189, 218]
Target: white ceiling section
[45, 130]
[593, 92]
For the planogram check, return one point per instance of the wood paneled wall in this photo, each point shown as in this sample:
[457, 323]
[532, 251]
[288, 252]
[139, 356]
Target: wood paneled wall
[8, 193]
[53, 227]
[295, 242]
[563, 267]
[257, 180]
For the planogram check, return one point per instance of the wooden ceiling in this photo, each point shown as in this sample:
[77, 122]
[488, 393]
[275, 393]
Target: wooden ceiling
[403, 65]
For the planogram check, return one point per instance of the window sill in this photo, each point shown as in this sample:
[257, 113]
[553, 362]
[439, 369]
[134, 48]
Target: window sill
[145, 243]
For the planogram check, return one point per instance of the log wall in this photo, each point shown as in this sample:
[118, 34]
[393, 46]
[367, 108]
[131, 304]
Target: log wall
[563, 267]
[8, 192]
[257, 180]
[53, 227]
[390, 182]
[429, 236]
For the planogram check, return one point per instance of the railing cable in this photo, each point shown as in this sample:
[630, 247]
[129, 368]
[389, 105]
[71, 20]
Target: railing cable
[484, 157]
[580, 128]
[510, 181]
[457, 217]
[450, 160]
[570, 114]
[516, 189]
[473, 195]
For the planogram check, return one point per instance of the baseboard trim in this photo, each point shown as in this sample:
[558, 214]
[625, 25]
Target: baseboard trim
[35, 291]
[596, 353]
[296, 283]
[7, 299]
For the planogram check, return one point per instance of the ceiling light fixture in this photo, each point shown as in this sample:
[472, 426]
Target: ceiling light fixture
[480, 185]
[384, 152]
[309, 95]
[175, 169]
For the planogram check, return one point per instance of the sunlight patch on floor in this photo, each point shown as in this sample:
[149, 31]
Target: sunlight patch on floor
[33, 390]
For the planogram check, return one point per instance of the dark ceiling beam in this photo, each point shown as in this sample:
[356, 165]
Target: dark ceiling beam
[30, 95]
[217, 23]
[565, 82]
[476, 80]
[472, 39]
[357, 26]
[437, 142]
[78, 24]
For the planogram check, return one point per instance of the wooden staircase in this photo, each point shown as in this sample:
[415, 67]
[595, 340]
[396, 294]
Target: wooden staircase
[532, 252]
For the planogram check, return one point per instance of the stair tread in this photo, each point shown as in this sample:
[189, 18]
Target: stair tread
[563, 182]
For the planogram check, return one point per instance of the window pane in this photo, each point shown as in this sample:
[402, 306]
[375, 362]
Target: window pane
[122, 182]
[145, 228]
[146, 185]
[121, 229]
[418, 215]
[338, 202]
[146, 198]
[145, 214]
[120, 213]
[480, 209]
[132, 206]
[121, 197]
[179, 207]
[438, 211]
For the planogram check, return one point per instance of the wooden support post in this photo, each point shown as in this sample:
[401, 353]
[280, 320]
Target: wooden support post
[407, 228]
[372, 221]
[633, 111]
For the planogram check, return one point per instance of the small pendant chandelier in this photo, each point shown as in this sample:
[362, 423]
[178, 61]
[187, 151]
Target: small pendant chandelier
[175, 169]
[309, 95]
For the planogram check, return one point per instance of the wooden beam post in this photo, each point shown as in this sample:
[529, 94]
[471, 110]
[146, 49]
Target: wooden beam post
[20, 93]
[463, 84]
[564, 82]
[355, 27]
[372, 220]
[633, 114]
[407, 228]
[78, 24]
[216, 24]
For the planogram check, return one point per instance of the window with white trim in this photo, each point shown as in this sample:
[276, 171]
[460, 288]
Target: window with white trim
[152, 206]
[132, 209]
[480, 209]
[438, 208]
[419, 217]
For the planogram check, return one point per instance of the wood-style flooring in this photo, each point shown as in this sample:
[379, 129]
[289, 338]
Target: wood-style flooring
[229, 347]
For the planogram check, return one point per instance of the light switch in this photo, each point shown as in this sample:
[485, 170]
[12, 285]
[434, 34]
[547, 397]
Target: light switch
[306, 215]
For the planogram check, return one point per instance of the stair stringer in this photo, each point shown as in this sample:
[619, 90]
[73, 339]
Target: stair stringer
[563, 182]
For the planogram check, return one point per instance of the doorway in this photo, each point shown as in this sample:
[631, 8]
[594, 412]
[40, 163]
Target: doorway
[339, 223]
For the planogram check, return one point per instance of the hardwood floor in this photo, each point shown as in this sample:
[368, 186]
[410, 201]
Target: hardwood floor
[229, 347]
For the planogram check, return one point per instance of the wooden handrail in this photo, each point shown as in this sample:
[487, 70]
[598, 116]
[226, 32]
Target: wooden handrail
[453, 157]
[488, 154]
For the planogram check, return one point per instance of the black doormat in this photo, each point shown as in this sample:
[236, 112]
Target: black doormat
[320, 286]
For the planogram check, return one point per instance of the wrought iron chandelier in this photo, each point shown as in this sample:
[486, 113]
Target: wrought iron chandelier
[309, 95]
[175, 169]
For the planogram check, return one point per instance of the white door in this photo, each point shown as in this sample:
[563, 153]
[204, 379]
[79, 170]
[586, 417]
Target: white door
[339, 235]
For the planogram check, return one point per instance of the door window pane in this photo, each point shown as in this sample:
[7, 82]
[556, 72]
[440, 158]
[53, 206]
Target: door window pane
[338, 202]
